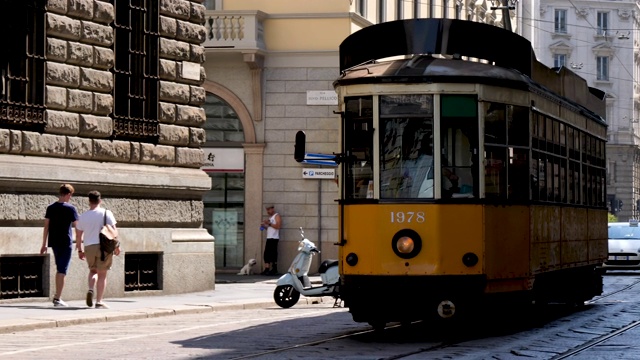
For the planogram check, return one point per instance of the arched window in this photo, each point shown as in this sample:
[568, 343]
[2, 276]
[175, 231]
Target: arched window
[223, 124]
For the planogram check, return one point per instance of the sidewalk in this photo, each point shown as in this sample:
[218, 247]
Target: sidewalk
[232, 292]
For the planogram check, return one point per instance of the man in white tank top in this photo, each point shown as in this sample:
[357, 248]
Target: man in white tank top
[272, 224]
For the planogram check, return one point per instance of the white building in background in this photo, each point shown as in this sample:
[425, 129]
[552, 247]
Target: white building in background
[598, 40]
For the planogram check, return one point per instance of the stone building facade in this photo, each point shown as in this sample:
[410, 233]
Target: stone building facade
[106, 96]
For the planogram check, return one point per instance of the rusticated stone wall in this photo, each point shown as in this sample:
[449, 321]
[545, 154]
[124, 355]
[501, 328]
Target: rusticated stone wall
[130, 212]
[79, 86]
[154, 190]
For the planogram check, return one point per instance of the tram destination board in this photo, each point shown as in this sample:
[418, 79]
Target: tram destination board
[319, 173]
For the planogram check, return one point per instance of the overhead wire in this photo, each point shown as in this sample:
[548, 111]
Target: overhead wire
[579, 42]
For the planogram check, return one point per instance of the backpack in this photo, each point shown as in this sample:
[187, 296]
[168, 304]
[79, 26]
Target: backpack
[108, 239]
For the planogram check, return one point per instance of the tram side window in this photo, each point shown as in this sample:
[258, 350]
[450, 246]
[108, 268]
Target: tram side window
[495, 171]
[506, 156]
[406, 141]
[568, 165]
[593, 170]
[358, 142]
[518, 125]
[495, 124]
[537, 176]
[518, 173]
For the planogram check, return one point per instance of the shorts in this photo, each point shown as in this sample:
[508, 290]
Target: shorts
[92, 255]
[62, 257]
[271, 251]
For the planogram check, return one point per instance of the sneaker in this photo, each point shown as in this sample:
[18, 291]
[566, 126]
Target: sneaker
[59, 303]
[90, 298]
[101, 305]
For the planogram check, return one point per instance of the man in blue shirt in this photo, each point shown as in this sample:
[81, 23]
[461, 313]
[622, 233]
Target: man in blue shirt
[59, 219]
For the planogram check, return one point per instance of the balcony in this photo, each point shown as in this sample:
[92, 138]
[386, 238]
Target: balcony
[231, 31]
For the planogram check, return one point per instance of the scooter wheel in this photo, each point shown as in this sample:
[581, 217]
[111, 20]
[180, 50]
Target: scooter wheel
[286, 296]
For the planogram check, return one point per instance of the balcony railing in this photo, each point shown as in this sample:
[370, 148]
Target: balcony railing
[239, 30]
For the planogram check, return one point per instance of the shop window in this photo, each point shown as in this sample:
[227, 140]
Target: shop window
[224, 203]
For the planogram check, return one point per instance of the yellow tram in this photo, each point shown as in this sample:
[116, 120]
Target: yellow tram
[467, 172]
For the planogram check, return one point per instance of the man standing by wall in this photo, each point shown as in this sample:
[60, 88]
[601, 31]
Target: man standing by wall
[272, 224]
[59, 218]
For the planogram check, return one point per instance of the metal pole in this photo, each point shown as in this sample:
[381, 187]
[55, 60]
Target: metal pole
[506, 16]
[319, 220]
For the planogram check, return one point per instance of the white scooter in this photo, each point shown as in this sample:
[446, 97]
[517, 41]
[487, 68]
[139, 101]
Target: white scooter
[296, 280]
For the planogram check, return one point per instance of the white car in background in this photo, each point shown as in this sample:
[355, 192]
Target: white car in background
[624, 246]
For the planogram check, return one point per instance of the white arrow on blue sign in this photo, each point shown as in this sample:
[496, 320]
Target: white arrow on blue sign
[319, 173]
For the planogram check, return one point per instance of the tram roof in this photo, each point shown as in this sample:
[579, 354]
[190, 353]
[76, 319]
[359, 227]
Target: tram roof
[513, 59]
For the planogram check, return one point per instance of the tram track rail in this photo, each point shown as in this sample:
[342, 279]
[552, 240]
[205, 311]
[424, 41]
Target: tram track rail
[603, 338]
[310, 343]
[598, 298]
[595, 342]
[433, 346]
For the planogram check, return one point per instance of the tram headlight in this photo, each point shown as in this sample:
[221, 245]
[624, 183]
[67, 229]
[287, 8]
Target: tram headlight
[406, 243]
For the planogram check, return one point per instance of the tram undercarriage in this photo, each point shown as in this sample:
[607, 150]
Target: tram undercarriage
[383, 299]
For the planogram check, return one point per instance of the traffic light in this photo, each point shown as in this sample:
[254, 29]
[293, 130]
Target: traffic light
[614, 204]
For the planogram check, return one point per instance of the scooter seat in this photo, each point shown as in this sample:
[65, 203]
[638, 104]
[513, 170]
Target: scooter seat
[326, 265]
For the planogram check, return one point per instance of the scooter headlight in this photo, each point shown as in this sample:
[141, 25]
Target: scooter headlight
[406, 243]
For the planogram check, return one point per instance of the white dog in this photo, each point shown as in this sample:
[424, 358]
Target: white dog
[248, 268]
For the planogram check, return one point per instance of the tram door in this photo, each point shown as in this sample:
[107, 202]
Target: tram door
[459, 146]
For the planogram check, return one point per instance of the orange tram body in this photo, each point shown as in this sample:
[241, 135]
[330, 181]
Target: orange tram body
[466, 171]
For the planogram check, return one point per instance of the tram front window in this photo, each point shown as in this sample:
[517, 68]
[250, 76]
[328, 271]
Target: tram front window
[358, 140]
[459, 146]
[406, 147]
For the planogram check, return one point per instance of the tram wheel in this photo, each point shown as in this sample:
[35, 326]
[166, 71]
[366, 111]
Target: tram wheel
[378, 325]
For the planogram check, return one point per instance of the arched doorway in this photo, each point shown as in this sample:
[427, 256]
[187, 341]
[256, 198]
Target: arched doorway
[224, 163]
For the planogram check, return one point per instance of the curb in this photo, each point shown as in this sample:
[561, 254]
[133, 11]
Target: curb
[35, 323]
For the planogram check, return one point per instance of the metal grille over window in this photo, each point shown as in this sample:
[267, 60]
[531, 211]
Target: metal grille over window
[21, 277]
[22, 65]
[141, 272]
[136, 70]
